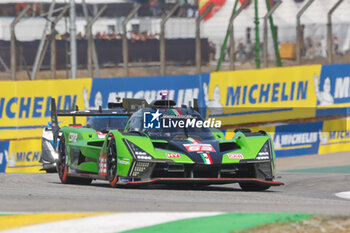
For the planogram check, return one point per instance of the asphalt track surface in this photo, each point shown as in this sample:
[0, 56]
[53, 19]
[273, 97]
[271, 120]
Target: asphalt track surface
[304, 192]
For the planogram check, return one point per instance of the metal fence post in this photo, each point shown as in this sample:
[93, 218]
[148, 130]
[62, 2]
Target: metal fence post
[198, 37]
[162, 55]
[13, 42]
[297, 47]
[53, 41]
[42, 42]
[91, 48]
[330, 33]
[125, 39]
[257, 33]
[274, 36]
[232, 40]
[2, 62]
[223, 47]
[73, 40]
[266, 17]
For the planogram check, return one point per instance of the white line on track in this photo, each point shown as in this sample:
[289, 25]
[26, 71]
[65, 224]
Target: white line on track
[344, 195]
[110, 223]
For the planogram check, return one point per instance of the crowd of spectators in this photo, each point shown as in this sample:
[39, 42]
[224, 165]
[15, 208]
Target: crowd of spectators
[311, 49]
[131, 35]
[319, 49]
[244, 51]
[188, 8]
[14, 9]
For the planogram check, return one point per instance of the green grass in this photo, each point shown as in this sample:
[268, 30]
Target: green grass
[223, 223]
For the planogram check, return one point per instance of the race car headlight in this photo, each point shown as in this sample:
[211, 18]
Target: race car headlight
[264, 153]
[137, 152]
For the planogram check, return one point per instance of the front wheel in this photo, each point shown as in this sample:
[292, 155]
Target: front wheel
[112, 163]
[62, 167]
[253, 187]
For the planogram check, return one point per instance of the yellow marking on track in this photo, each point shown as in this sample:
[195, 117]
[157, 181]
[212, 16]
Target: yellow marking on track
[21, 220]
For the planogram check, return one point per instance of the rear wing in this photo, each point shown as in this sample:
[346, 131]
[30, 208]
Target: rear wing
[125, 109]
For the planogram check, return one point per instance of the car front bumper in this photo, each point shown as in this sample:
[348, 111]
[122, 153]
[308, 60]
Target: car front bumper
[206, 181]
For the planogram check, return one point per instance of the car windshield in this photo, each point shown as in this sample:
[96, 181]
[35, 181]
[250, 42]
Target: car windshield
[180, 129]
[105, 123]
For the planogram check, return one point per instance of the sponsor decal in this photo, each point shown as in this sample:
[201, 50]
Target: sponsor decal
[124, 179]
[199, 147]
[172, 155]
[235, 156]
[206, 158]
[72, 137]
[102, 164]
[124, 161]
[101, 135]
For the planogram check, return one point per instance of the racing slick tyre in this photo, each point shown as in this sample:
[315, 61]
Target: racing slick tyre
[253, 187]
[62, 167]
[112, 163]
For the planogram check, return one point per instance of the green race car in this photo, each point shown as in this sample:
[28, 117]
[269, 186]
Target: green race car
[161, 144]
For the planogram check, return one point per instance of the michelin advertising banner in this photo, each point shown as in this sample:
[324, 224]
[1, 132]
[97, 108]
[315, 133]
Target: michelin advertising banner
[25, 105]
[20, 156]
[320, 137]
[266, 95]
[333, 90]
[277, 94]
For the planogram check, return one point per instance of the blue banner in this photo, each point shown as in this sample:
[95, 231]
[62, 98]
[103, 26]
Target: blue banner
[4, 150]
[297, 139]
[333, 90]
[181, 88]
